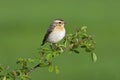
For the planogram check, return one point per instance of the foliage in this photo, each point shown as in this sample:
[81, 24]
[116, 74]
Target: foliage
[71, 43]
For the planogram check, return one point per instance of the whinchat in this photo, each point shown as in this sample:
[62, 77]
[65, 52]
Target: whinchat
[55, 32]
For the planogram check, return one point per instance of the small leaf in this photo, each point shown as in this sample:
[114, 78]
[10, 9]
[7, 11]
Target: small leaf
[83, 46]
[71, 46]
[94, 57]
[84, 29]
[50, 68]
[1, 69]
[61, 49]
[88, 50]
[31, 60]
[76, 51]
[4, 78]
[57, 70]
[49, 56]
[9, 79]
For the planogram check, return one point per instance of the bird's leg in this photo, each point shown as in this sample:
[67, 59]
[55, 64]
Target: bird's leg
[53, 46]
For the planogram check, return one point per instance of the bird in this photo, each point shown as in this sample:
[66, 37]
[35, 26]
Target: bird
[55, 33]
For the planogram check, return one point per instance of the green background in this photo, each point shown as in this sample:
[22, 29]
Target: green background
[23, 24]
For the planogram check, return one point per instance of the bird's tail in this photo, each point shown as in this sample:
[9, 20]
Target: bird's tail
[43, 43]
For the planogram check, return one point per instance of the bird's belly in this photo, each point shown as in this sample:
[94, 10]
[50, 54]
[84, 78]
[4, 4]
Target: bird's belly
[56, 36]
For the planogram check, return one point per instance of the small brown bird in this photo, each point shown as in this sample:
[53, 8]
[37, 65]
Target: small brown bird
[55, 32]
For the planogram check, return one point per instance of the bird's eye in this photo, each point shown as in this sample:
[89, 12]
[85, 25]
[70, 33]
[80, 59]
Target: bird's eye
[59, 22]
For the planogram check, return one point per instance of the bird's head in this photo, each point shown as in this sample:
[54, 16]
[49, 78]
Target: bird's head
[58, 22]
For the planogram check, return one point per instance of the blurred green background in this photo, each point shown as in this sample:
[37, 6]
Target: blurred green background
[23, 24]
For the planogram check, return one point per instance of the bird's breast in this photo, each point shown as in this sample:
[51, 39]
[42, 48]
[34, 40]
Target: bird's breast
[56, 35]
[60, 28]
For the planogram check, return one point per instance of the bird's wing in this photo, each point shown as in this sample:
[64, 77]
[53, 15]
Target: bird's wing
[50, 29]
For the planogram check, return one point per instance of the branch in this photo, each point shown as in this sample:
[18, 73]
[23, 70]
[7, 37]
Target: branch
[71, 43]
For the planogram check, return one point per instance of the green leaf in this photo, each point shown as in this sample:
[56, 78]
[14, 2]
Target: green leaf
[1, 69]
[4, 78]
[50, 68]
[76, 51]
[84, 29]
[61, 50]
[49, 56]
[57, 70]
[88, 50]
[9, 79]
[31, 60]
[94, 57]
